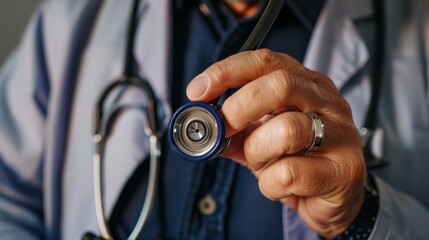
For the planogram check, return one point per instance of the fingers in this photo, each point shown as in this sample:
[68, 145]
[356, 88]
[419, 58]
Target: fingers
[272, 83]
[235, 71]
[287, 133]
[273, 93]
[286, 177]
[306, 177]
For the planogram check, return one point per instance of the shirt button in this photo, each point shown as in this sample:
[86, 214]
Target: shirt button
[207, 205]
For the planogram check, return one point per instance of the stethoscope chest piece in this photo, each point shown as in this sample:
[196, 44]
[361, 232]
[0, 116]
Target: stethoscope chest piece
[196, 132]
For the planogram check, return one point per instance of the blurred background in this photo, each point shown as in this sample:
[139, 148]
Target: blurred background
[14, 16]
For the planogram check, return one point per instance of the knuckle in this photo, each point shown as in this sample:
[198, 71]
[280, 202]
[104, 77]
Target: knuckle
[288, 132]
[253, 148]
[267, 57]
[219, 72]
[341, 105]
[231, 107]
[282, 86]
[276, 184]
[266, 189]
[344, 107]
[286, 80]
[283, 176]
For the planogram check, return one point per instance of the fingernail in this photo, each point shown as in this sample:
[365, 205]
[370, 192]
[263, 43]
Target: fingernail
[197, 87]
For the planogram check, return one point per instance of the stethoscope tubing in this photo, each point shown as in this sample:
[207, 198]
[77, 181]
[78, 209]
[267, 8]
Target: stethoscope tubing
[155, 153]
[102, 126]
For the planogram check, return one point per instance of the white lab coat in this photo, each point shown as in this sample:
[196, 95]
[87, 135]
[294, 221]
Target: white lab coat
[44, 172]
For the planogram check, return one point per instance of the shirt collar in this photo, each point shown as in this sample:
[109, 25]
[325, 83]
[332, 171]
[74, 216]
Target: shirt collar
[306, 12]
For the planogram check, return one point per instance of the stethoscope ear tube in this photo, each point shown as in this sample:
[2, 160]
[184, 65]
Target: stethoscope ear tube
[197, 132]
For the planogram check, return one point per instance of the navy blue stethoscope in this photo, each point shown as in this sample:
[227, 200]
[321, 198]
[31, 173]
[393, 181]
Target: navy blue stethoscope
[196, 130]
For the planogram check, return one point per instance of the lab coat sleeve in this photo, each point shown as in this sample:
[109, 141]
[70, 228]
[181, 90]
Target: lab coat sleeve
[24, 93]
[400, 216]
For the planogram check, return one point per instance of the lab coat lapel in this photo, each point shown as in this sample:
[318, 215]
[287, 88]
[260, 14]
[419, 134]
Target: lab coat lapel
[336, 48]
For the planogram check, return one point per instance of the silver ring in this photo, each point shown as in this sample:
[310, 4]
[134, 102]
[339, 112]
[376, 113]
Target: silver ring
[318, 129]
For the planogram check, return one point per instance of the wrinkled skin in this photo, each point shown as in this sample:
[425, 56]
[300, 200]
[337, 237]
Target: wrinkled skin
[270, 133]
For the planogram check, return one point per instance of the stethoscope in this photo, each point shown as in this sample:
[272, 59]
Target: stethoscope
[104, 120]
[196, 130]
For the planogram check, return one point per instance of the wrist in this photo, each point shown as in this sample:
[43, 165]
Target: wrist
[361, 227]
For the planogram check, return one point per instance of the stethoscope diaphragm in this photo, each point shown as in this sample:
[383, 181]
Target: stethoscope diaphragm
[197, 132]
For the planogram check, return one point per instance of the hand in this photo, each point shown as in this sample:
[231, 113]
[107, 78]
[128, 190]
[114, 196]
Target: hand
[270, 134]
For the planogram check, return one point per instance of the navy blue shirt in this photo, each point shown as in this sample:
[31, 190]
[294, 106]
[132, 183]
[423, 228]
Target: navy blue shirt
[239, 211]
